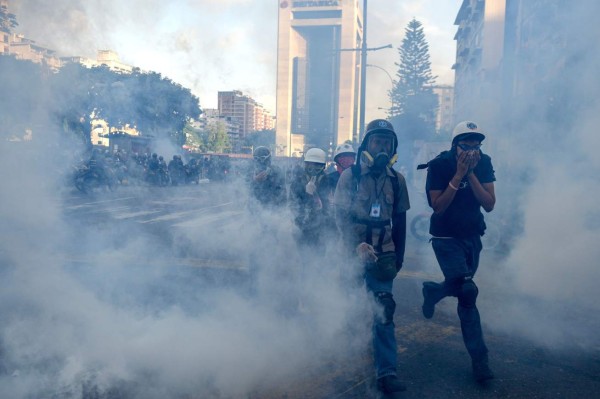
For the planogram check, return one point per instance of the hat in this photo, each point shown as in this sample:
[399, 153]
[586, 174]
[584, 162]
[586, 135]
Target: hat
[467, 130]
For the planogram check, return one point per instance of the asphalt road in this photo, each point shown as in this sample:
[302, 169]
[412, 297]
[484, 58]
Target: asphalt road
[433, 360]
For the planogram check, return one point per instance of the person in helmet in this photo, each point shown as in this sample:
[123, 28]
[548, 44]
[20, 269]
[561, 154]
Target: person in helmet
[176, 170]
[267, 183]
[370, 201]
[309, 197]
[343, 157]
[459, 183]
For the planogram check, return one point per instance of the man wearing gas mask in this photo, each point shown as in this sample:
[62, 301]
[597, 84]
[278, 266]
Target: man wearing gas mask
[309, 199]
[371, 200]
[459, 183]
[267, 183]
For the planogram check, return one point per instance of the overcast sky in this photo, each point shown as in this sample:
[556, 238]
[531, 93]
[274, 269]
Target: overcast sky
[212, 45]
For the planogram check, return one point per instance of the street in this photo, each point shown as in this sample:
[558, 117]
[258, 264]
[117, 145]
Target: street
[433, 360]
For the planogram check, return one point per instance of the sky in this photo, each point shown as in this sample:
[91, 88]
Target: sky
[218, 45]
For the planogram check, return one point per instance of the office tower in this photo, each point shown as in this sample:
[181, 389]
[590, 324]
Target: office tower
[318, 74]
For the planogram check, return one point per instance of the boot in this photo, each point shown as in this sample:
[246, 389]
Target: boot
[390, 384]
[481, 370]
[432, 294]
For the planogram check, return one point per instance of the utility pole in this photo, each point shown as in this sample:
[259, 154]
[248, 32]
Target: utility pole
[363, 75]
[363, 72]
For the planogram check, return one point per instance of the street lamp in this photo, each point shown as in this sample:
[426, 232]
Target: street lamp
[363, 73]
[391, 80]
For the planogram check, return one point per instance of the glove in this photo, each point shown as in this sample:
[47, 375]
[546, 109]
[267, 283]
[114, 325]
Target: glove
[366, 253]
[311, 186]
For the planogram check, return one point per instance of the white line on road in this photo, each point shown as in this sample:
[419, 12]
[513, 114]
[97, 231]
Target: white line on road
[178, 215]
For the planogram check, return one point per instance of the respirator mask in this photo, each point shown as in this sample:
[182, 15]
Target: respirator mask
[377, 154]
[313, 168]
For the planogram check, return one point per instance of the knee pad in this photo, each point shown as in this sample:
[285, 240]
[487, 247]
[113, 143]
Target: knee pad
[467, 293]
[386, 300]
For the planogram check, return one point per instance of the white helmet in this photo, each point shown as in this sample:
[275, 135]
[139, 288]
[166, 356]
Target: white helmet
[344, 148]
[315, 155]
[467, 129]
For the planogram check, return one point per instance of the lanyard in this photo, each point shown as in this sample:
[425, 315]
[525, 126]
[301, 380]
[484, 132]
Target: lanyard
[378, 192]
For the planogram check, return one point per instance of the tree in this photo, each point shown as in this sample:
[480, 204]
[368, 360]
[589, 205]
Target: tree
[8, 21]
[414, 102]
[217, 140]
[155, 105]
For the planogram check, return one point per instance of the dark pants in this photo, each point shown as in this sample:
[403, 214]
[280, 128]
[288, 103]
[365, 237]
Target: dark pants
[459, 260]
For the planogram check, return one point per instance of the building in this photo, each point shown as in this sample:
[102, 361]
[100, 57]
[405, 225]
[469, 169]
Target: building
[27, 49]
[479, 50]
[245, 111]
[318, 74]
[444, 119]
[107, 58]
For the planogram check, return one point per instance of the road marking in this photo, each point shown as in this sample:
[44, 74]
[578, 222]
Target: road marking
[130, 215]
[179, 215]
[207, 219]
[89, 204]
[227, 264]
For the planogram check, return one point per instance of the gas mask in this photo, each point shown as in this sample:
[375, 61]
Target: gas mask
[377, 154]
[313, 168]
[378, 163]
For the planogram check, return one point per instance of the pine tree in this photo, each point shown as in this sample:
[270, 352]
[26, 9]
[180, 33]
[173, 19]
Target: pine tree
[414, 104]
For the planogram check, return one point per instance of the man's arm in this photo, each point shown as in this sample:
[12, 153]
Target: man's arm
[441, 199]
[484, 193]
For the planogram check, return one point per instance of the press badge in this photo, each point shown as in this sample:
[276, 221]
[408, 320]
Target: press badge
[375, 210]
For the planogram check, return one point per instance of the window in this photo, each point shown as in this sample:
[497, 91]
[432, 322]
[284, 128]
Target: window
[317, 14]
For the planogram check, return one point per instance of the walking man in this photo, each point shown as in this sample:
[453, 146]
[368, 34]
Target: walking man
[459, 183]
[370, 202]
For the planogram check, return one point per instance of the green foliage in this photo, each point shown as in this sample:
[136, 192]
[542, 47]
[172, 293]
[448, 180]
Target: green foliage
[32, 96]
[155, 105]
[194, 138]
[8, 21]
[414, 102]
[217, 139]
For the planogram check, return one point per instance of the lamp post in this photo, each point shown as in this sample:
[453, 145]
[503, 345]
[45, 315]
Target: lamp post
[391, 81]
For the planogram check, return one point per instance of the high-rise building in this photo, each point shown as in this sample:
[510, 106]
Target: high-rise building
[479, 50]
[244, 110]
[318, 74]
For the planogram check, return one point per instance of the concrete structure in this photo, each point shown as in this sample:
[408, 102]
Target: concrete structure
[245, 111]
[106, 58]
[444, 120]
[27, 49]
[318, 86]
[479, 50]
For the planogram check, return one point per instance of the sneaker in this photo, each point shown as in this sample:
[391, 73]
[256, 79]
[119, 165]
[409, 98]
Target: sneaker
[429, 298]
[482, 371]
[390, 384]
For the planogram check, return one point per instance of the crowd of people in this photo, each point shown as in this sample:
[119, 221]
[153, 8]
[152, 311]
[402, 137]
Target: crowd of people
[109, 169]
[364, 201]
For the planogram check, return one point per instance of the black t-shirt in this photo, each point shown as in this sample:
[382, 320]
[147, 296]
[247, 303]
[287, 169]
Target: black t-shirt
[463, 218]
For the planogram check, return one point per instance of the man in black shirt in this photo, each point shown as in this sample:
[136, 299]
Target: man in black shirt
[459, 183]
